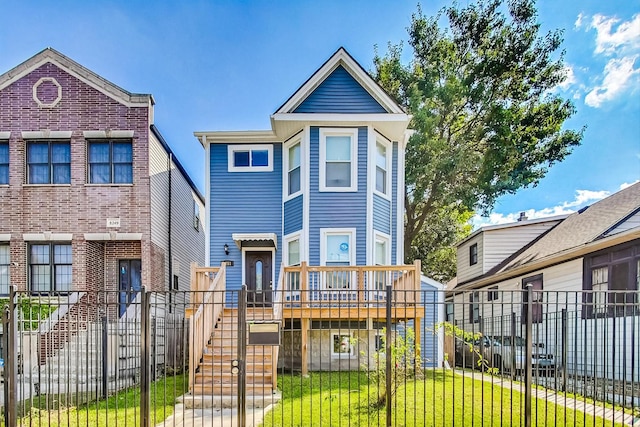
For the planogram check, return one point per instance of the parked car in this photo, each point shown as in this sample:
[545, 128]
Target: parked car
[476, 353]
[509, 353]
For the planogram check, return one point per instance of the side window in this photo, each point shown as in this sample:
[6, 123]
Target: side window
[474, 307]
[196, 215]
[383, 167]
[293, 183]
[4, 162]
[473, 254]
[5, 262]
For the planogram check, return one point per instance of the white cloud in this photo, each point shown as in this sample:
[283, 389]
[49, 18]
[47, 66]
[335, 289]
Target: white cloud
[570, 78]
[582, 198]
[618, 75]
[628, 184]
[619, 41]
[626, 35]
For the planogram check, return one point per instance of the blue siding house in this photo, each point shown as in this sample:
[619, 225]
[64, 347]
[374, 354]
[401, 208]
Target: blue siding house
[323, 187]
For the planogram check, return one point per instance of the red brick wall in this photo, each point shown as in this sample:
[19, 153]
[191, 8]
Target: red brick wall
[75, 208]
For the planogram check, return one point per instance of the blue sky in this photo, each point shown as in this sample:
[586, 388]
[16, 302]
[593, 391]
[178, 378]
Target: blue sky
[227, 65]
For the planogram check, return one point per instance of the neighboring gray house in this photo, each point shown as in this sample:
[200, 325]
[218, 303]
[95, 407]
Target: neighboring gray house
[584, 256]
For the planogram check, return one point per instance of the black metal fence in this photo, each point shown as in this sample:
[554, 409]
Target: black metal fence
[425, 359]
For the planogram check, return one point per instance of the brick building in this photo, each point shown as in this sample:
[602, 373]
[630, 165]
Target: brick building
[91, 195]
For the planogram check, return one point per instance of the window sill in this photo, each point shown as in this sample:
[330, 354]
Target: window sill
[383, 195]
[338, 189]
[46, 185]
[123, 184]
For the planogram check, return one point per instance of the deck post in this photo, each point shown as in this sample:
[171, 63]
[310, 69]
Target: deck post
[361, 274]
[303, 284]
[416, 283]
[304, 330]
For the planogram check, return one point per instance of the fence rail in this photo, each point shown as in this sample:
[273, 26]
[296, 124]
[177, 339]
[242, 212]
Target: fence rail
[424, 358]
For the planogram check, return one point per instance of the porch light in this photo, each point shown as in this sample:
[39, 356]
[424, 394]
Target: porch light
[226, 249]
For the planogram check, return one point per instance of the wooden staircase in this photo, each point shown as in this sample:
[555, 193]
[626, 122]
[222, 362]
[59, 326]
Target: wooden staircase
[213, 376]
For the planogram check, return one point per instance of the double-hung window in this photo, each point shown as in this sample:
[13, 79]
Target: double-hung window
[4, 162]
[474, 307]
[110, 162]
[5, 258]
[338, 160]
[48, 162]
[250, 158]
[293, 168]
[473, 254]
[196, 216]
[383, 166]
[50, 267]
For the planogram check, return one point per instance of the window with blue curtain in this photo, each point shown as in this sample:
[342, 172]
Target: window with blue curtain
[4, 162]
[49, 162]
[110, 162]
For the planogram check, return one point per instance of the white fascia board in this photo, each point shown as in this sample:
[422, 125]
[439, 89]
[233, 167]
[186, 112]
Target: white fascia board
[235, 137]
[341, 57]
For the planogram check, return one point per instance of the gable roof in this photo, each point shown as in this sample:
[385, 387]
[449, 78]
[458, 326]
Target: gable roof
[50, 55]
[581, 233]
[341, 58]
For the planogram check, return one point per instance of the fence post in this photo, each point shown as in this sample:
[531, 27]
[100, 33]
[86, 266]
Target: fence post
[529, 354]
[388, 356]
[105, 349]
[11, 359]
[565, 336]
[145, 386]
[242, 355]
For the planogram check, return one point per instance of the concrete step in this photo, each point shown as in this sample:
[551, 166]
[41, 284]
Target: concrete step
[191, 401]
[229, 378]
[209, 389]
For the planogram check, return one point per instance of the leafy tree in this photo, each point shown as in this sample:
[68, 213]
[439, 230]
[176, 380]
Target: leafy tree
[488, 121]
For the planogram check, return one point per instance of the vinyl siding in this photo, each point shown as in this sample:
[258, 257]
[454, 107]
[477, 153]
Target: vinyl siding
[242, 202]
[502, 243]
[381, 214]
[430, 348]
[464, 270]
[337, 210]
[188, 244]
[339, 93]
[293, 215]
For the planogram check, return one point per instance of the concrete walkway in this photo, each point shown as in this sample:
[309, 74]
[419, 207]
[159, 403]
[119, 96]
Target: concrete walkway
[211, 417]
[550, 395]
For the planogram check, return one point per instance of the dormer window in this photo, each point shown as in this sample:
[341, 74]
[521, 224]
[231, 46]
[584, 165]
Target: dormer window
[250, 158]
[473, 254]
[338, 160]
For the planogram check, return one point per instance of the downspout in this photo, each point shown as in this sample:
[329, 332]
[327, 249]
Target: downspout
[169, 226]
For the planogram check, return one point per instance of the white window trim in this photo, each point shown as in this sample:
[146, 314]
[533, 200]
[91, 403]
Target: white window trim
[352, 348]
[324, 232]
[351, 132]
[372, 161]
[285, 169]
[381, 237]
[290, 238]
[250, 147]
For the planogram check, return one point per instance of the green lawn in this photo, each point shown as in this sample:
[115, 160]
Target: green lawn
[345, 399]
[122, 408]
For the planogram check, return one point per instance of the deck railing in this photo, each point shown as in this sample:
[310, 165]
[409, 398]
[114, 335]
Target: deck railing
[305, 285]
[207, 301]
